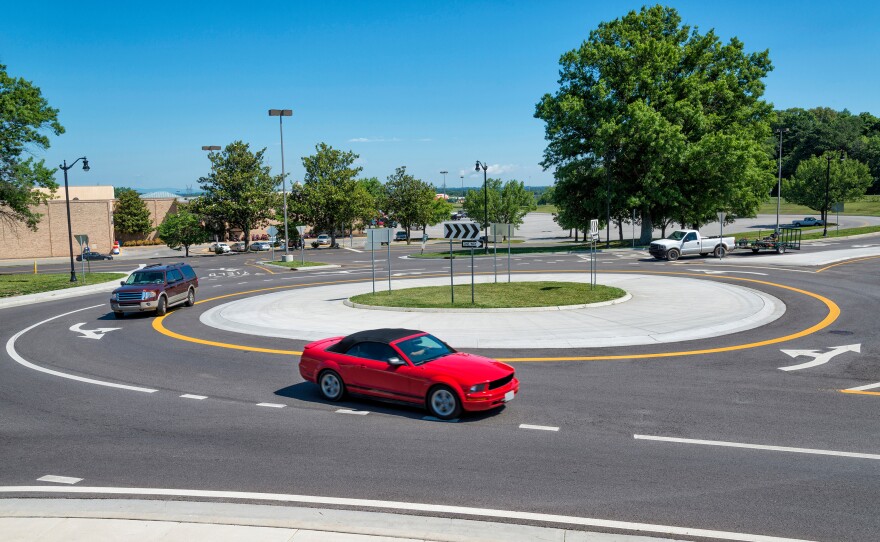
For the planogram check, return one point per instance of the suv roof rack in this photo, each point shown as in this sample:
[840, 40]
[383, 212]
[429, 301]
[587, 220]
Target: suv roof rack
[152, 265]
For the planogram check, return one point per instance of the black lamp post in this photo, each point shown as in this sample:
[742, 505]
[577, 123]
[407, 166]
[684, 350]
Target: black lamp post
[829, 157]
[65, 167]
[779, 131]
[485, 201]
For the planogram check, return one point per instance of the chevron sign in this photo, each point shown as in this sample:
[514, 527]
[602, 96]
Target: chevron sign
[461, 230]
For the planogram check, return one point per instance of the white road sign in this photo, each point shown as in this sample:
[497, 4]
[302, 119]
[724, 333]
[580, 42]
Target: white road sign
[471, 244]
[461, 230]
[376, 237]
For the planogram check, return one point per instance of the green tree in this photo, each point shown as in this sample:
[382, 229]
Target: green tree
[655, 114]
[483, 206]
[240, 191]
[183, 228]
[24, 116]
[845, 180]
[408, 201]
[332, 197]
[130, 214]
[516, 203]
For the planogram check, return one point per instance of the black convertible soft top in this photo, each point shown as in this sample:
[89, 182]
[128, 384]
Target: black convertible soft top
[384, 336]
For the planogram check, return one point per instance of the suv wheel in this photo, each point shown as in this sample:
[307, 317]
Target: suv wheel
[162, 306]
[191, 298]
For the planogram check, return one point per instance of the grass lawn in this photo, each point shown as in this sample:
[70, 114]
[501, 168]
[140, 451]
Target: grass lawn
[494, 296]
[295, 264]
[21, 284]
[869, 206]
[546, 208]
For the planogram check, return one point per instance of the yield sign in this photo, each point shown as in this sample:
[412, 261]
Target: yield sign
[819, 358]
[461, 230]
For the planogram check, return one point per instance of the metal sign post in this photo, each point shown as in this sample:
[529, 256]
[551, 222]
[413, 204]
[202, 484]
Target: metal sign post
[594, 238]
[378, 236]
[468, 232]
[721, 216]
[83, 241]
[273, 231]
[509, 234]
[302, 243]
[837, 208]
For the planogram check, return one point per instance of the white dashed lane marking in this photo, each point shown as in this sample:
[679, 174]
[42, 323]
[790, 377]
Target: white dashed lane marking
[59, 479]
[538, 427]
[350, 411]
[763, 447]
[191, 396]
[271, 405]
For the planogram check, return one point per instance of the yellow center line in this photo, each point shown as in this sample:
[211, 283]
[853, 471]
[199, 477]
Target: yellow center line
[252, 264]
[860, 392]
[830, 317]
[848, 262]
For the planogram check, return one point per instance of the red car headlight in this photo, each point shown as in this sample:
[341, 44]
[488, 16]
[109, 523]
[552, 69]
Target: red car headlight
[478, 387]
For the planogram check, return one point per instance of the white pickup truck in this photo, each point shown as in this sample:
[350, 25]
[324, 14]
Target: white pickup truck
[690, 242]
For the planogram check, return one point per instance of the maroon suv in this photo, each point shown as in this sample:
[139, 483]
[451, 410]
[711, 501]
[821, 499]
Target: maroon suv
[155, 288]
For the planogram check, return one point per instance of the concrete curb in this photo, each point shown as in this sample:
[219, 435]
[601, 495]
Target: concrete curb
[55, 295]
[28, 520]
[623, 299]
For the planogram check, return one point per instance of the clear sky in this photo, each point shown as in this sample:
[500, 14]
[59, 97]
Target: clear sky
[432, 85]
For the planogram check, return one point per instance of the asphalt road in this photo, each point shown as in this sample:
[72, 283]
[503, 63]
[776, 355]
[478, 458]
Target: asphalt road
[596, 464]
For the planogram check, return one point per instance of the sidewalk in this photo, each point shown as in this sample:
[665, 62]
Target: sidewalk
[95, 520]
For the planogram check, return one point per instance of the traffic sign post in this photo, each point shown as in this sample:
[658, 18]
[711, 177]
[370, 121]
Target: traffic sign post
[468, 232]
[504, 231]
[470, 244]
[721, 217]
[302, 243]
[379, 236]
[83, 241]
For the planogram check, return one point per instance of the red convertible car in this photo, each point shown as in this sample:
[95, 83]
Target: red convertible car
[408, 366]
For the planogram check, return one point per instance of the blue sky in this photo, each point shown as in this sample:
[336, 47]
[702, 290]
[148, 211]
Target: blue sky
[430, 85]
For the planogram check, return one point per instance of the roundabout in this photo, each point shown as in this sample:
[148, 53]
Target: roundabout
[658, 309]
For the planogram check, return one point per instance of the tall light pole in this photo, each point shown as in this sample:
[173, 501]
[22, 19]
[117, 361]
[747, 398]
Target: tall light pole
[829, 157]
[779, 131]
[462, 184]
[485, 201]
[444, 181]
[65, 167]
[281, 113]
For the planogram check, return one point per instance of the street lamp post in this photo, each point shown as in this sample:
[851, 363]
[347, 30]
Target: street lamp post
[462, 184]
[829, 157]
[65, 167]
[444, 181]
[779, 131]
[485, 201]
[281, 113]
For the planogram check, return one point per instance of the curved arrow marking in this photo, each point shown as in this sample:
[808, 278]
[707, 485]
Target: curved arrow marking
[96, 333]
[818, 358]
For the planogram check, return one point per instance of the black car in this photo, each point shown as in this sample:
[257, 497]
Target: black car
[89, 256]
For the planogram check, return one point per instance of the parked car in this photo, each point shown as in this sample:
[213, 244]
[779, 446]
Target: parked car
[323, 239]
[410, 366]
[155, 288]
[237, 247]
[220, 248]
[91, 255]
[690, 242]
[260, 245]
[400, 236]
[808, 221]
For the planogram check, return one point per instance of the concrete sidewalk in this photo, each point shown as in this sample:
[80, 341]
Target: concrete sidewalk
[95, 520]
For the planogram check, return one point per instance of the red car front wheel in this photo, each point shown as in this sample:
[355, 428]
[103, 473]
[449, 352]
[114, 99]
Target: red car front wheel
[444, 403]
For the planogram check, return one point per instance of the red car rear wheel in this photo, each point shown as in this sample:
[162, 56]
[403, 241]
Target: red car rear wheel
[331, 385]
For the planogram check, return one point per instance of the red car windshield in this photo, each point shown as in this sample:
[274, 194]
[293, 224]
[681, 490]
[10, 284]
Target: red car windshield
[423, 349]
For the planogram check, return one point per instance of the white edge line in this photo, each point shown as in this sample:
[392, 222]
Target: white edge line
[271, 405]
[538, 427]
[10, 349]
[59, 479]
[398, 506]
[867, 387]
[191, 396]
[765, 447]
[349, 411]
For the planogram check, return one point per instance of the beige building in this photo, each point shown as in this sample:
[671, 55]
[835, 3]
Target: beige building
[91, 213]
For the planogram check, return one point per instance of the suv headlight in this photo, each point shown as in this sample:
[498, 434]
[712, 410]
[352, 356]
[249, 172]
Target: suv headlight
[478, 387]
[150, 294]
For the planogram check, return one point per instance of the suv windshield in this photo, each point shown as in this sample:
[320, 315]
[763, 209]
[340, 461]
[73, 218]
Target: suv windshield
[423, 349]
[146, 277]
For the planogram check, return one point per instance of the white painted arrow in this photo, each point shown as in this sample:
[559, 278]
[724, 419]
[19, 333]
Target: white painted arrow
[818, 358]
[91, 333]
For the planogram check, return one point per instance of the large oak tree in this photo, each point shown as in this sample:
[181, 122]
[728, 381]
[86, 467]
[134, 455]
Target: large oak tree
[654, 115]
